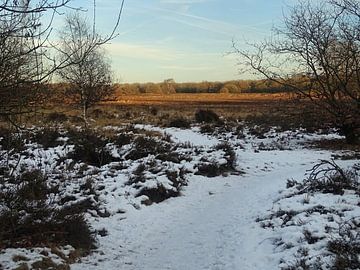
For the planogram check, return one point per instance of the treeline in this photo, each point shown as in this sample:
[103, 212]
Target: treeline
[231, 87]
[57, 92]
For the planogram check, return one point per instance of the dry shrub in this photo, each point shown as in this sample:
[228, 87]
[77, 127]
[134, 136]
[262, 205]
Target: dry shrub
[177, 177]
[230, 156]
[207, 129]
[347, 246]
[90, 148]
[209, 169]
[48, 137]
[144, 146]
[259, 131]
[123, 139]
[56, 117]
[179, 122]
[206, 116]
[29, 218]
[329, 177]
[213, 168]
[98, 113]
[11, 140]
[138, 175]
[158, 194]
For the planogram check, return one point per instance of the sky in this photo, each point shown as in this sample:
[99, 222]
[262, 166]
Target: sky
[185, 40]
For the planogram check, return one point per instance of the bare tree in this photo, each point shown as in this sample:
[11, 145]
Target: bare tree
[27, 58]
[88, 74]
[316, 53]
[22, 42]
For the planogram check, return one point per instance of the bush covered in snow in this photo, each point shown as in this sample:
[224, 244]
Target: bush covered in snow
[317, 225]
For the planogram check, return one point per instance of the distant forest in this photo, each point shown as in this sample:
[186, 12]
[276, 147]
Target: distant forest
[231, 87]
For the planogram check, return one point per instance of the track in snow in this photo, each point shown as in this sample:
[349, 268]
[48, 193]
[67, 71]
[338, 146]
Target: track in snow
[211, 227]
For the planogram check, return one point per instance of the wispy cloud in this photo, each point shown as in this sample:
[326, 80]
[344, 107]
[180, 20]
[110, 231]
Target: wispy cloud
[137, 27]
[204, 23]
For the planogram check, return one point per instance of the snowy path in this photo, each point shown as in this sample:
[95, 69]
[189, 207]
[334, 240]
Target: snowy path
[211, 227]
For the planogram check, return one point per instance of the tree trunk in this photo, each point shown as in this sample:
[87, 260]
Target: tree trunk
[84, 113]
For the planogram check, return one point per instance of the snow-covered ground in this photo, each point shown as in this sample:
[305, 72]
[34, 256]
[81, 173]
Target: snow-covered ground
[213, 224]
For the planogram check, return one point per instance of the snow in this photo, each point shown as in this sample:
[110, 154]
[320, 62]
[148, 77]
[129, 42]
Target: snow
[212, 225]
[191, 136]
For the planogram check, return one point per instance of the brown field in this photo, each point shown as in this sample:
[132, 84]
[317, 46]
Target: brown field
[260, 109]
[196, 99]
[269, 109]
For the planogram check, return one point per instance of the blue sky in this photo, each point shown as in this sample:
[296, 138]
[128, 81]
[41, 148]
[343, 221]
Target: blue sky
[186, 40]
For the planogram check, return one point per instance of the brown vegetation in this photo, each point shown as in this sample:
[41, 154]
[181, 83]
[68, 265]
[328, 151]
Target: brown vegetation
[196, 98]
[171, 87]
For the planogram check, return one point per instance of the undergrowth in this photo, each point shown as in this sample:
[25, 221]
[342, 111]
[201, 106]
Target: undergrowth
[338, 229]
[90, 148]
[30, 216]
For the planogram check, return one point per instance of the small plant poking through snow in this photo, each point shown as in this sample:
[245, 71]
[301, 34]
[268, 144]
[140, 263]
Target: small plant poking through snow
[329, 221]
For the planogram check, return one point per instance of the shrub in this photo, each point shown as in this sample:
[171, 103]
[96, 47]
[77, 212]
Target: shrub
[259, 131]
[206, 116]
[171, 156]
[347, 246]
[29, 218]
[138, 175]
[209, 169]
[213, 168]
[77, 119]
[154, 111]
[158, 194]
[123, 139]
[98, 113]
[207, 129]
[177, 177]
[56, 117]
[328, 177]
[90, 148]
[144, 146]
[230, 156]
[48, 137]
[11, 140]
[179, 123]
